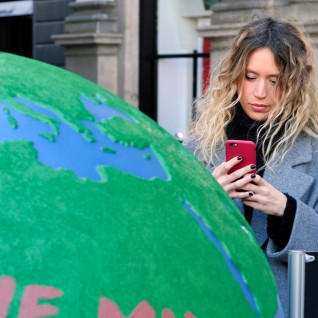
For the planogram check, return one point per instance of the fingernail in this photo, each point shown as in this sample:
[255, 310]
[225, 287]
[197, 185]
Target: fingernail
[239, 158]
[253, 167]
[253, 175]
[250, 194]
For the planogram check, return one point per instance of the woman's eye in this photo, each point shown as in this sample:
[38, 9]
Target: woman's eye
[249, 78]
[273, 82]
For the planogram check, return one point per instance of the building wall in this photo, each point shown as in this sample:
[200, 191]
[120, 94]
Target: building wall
[228, 16]
[48, 19]
[100, 41]
[182, 24]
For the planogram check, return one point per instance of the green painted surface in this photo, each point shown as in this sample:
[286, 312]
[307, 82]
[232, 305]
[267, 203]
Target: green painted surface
[125, 238]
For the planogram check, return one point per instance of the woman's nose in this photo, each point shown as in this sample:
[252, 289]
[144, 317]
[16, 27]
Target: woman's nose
[260, 89]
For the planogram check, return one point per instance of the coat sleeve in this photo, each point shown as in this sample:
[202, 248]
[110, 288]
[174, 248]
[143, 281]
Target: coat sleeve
[304, 234]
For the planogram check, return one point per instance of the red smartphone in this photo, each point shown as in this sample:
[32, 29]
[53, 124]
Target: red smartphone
[244, 148]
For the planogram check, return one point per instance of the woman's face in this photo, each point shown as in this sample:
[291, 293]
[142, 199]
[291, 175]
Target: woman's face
[259, 90]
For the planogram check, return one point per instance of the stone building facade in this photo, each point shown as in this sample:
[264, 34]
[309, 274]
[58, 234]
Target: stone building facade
[101, 39]
[229, 15]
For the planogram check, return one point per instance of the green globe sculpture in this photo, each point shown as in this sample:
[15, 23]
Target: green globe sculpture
[104, 214]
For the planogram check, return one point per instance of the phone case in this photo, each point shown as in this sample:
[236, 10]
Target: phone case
[244, 148]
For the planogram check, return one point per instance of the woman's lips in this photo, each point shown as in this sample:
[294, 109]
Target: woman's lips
[260, 108]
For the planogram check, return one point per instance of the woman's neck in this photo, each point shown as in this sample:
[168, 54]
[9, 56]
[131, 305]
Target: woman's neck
[243, 127]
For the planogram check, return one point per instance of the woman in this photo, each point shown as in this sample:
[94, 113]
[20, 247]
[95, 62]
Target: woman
[265, 92]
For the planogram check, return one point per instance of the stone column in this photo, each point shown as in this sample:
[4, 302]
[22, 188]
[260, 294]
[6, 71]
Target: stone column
[91, 40]
[129, 51]
[228, 16]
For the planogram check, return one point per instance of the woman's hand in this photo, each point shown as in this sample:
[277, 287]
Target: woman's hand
[265, 197]
[251, 188]
[234, 183]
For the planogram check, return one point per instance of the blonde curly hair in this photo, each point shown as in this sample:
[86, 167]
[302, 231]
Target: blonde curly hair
[296, 107]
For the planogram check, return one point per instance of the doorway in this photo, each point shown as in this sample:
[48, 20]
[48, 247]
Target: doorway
[16, 35]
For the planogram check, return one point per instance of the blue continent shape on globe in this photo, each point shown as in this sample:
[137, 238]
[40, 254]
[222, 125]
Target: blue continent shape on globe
[70, 150]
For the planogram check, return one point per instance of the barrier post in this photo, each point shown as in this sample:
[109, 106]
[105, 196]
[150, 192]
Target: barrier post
[296, 283]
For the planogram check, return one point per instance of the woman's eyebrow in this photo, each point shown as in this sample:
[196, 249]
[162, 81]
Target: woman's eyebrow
[256, 73]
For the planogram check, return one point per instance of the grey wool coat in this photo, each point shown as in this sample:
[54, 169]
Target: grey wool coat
[296, 175]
